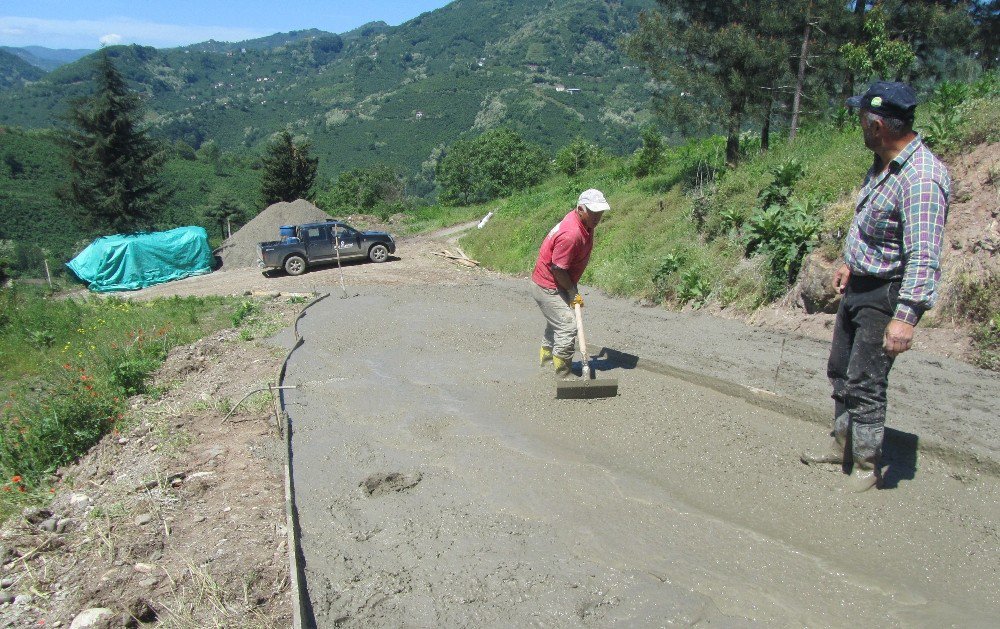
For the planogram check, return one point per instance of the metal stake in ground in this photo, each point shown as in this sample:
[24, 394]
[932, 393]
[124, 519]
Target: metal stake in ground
[336, 245]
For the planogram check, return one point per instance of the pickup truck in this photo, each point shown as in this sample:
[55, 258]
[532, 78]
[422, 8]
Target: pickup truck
[316, 243]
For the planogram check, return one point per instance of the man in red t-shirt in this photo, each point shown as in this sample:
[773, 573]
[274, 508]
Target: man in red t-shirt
[561, 261]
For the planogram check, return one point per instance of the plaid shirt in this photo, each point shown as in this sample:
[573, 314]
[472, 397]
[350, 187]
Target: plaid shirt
[898, 227]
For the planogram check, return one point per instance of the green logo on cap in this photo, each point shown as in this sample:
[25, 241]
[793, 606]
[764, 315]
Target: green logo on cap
[877, 101]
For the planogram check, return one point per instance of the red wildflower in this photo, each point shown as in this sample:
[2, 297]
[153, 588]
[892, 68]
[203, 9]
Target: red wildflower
[21, 487]
[16, 479]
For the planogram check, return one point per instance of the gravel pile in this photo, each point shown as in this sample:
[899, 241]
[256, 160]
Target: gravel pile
[240, 249]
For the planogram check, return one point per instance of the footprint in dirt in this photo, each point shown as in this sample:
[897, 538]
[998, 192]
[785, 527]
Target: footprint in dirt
[379, 484]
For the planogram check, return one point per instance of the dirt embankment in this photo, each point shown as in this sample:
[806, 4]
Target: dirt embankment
[177, 519]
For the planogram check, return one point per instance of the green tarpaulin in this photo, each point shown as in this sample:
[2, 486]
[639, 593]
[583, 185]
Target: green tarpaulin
[134, 261]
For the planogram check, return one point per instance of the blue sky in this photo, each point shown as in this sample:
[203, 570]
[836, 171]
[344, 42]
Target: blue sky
[165, 24]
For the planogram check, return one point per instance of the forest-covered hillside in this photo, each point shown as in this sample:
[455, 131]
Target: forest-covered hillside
[552, 70]
[15, 71]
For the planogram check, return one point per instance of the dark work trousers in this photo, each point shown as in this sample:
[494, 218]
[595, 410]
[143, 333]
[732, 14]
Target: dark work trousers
[859, 367]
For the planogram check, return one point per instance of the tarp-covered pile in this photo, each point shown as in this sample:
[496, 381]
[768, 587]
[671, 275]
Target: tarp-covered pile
[134, 261]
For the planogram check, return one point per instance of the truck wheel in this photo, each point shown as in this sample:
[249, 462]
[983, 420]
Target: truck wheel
[295, 265]
[378, 253]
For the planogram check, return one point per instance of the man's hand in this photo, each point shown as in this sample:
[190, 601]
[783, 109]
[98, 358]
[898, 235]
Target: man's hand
[577, 301]
[840, 278]
[898, 337]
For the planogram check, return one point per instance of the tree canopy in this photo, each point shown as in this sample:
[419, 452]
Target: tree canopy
[289, 171]
[115, 164]
[367, 189]
[493, 165]
[719, 64]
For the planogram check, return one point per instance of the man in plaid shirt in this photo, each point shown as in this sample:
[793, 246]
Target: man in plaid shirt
[889, 278]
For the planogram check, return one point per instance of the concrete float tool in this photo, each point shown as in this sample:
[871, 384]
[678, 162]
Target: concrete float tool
[587, 388]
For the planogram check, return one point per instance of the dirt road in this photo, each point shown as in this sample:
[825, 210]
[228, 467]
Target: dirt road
[439, 482]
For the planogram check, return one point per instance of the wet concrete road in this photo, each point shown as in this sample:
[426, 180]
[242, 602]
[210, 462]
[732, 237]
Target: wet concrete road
[439, 482]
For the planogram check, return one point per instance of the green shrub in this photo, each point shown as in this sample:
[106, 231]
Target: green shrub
[130, 375]
[669, 264]
[649, 157]
[578, 156]
[786, 235]
[946, 107]
[246, 310]
[785, 176]
[693, 288]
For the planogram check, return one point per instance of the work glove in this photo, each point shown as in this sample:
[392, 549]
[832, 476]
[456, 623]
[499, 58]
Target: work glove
[577, 301]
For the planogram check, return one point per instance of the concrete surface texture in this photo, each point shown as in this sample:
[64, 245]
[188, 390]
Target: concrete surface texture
[440, 483]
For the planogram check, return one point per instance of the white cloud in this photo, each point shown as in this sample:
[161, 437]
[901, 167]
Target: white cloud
[23, 31]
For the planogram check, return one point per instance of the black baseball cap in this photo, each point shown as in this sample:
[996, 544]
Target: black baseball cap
[896, 100]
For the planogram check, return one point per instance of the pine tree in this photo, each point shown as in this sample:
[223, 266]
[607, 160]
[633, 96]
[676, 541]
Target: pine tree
[289, 171]
[114, 163]
[716, 62]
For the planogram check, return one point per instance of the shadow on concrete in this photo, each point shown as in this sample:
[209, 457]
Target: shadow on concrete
[609, 359]
[900, 454]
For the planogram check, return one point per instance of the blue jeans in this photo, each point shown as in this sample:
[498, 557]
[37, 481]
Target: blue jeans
[859, 367]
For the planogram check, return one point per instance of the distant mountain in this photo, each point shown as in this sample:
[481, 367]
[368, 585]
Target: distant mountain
[263, 43]
[550, 69]
[14, 71]
[47, 59]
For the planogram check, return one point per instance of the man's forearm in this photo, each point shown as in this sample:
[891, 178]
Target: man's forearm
[563, 279]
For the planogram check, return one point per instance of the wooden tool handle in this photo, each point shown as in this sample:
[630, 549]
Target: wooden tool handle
[579, 332]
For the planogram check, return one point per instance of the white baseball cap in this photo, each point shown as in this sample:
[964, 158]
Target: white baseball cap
[594, 201]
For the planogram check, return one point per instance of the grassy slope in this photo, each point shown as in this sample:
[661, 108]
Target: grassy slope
[652, 217]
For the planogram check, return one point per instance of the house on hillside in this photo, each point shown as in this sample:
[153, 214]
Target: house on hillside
[572, 90]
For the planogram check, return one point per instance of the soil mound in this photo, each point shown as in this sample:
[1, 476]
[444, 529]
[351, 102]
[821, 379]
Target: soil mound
[240, 249]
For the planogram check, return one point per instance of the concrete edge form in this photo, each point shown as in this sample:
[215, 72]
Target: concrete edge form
[302, 614]
[772, 401]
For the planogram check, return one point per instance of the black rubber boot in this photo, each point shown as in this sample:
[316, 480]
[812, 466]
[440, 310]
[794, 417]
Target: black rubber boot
[866, 445]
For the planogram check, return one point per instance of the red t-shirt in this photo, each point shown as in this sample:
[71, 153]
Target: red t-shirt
[567, 246]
